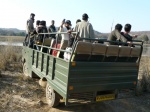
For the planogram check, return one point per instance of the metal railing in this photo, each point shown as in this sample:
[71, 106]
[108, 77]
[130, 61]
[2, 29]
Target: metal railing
[76, 40]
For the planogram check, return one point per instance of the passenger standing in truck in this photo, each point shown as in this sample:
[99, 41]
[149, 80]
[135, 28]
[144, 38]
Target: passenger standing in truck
[30, 30]
[116, 35]
[65, 27]
[52, 29]
[37, 25]
[85, 28]
[78, 20]
[42, 29]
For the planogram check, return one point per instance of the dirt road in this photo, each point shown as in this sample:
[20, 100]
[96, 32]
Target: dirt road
[18, 94]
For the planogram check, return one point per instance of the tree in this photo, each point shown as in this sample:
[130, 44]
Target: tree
[144, 38]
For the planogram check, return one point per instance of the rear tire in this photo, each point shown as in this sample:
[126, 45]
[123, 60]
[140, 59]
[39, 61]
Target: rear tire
[25, 70]
[52, 97]
[42, 83]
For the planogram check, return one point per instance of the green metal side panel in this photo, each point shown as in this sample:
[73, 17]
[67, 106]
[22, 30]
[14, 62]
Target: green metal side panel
[59, 78]
[55, 70]
[84, 77]
[102, 76]
[40, 63]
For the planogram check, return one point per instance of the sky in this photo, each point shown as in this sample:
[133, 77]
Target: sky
[102, 13]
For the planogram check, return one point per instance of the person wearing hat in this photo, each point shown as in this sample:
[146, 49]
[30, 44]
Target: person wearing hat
[85, 28]
[65, 27]
[30, 29]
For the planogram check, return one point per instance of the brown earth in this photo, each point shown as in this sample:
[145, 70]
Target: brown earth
[19, 94]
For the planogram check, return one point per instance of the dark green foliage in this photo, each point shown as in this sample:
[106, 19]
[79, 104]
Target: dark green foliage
[11, 32]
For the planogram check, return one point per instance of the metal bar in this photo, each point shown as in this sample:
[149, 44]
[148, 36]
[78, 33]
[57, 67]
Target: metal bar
[42, 60]
[28, 39]
[137, 41]
[33, 53]
[37, 58]
[105, 40]
[47, 65]
[53, 69]
[74, 46]
[102, 40]
[59, 33]
[54, 48]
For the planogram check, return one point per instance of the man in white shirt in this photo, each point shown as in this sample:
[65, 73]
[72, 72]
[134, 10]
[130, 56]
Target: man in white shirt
[65, 27]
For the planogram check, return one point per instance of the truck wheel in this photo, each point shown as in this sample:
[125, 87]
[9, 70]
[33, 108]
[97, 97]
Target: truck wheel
[52, 97]
[42, 83]
[25, 70]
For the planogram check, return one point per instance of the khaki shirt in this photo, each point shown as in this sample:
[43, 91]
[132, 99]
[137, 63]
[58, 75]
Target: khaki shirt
[29, 26]
[85, 30]
[116, 36]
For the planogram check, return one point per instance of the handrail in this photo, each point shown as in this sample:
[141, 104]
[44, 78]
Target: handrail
[91, 39]
[53, 48]
[104, 40]
[59, 33]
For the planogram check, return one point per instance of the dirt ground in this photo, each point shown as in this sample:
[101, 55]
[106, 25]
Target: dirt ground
[18, 94]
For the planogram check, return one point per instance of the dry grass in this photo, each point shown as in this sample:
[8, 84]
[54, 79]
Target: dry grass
[9, 55]
[144, 75]
[12, 38]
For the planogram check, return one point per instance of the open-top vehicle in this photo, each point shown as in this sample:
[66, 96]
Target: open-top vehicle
[95, 71]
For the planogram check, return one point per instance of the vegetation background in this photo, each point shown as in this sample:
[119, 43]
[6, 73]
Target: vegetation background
[142, 35]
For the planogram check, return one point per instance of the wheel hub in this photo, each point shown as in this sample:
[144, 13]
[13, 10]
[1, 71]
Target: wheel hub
[49, 92]
[25, 69]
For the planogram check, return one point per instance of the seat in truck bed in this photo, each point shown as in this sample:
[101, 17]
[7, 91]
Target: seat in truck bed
[98, 52]
[124, 53]
[82, 51]
[111, 53]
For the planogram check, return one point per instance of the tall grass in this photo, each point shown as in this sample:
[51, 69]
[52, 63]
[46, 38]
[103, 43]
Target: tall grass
[144, 75]
[9, 54]
[11, 38]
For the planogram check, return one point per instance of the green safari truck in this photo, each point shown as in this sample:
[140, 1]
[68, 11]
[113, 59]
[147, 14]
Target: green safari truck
[94, 72]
